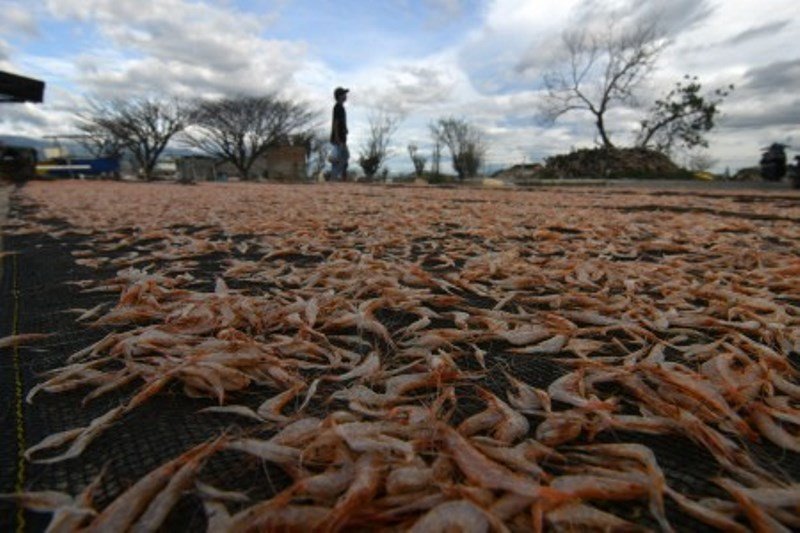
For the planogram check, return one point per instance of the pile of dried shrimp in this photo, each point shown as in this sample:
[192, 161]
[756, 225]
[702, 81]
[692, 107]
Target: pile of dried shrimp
[400, 338]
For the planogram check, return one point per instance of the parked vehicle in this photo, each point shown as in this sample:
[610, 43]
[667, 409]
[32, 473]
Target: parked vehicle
[17, 163]
[64, 167]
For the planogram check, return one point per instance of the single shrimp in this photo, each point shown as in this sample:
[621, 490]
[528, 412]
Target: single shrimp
[484, 472]
[592, 487]
[364, 487]
[120, 514]
[459, 515]
[409, 479]
[559, 428]
[512, 425]
[370, 366]
[330, 483]
[80, 437]
[705, 514]
[69, 513]
[266, 450]
[516, 458]
[271, 408]
[552, 346]
[758, 516]
[570, 388]
[22, 339]
[525, 335]
[582, 517]
[646, 458]
[160, 506]
[761, 416]
[527, 399]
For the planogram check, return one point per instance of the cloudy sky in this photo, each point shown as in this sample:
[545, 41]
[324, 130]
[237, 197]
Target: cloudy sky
[479, 60]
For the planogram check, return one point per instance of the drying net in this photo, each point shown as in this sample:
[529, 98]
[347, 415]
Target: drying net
[414, 338]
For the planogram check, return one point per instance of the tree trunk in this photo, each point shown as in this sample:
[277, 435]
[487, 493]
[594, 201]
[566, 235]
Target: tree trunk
[601, 128]
[144, 169]
[149, 170]
[150, 167]
[244, 171]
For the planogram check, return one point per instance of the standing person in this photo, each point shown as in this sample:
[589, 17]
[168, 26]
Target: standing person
[340, 154]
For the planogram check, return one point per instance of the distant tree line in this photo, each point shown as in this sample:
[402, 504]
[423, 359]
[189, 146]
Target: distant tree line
[240, 129]
[237, 130]
[464, 141]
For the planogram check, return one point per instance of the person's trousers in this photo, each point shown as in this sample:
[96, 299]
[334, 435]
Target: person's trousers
[340, 157]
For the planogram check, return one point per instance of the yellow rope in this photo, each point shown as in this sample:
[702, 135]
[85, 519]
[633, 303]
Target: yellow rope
[20, 422]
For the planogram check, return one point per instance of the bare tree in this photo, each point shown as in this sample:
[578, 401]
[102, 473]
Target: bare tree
[681, 117]
[417, 160]
[465, 143]
[240, 129]
[601, 70]
[98, 141]
[142, 126]
[375, 150]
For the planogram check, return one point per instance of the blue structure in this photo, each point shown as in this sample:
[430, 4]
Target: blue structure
[79, 167]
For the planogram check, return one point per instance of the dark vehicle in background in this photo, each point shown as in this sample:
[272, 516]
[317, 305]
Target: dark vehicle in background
[17, 163]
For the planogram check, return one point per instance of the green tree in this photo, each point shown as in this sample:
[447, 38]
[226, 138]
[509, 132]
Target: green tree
[682, 117]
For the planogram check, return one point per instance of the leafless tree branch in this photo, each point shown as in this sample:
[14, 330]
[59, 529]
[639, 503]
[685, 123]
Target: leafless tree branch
[375, 149]
[142, 126]
[601, 70]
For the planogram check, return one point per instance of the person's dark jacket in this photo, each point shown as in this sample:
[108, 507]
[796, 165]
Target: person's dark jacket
[339, 124]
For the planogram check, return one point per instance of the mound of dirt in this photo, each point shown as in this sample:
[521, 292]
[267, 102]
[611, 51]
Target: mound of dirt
[747, 174]
[520, 172]
[603, 163]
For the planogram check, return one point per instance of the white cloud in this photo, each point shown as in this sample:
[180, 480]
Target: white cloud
[179, 46]
[411, 87]
[18, 22]
[758, 32]
[35, 120]
[17, 19]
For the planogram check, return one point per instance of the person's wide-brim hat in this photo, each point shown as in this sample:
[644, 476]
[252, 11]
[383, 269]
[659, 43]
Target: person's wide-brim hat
[340, 90]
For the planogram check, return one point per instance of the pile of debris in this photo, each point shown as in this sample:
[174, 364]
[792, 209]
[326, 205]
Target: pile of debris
[520, 172]
[747, 174]
[602, 163]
